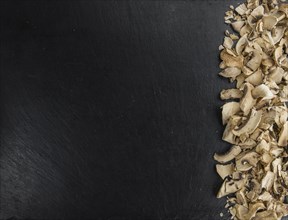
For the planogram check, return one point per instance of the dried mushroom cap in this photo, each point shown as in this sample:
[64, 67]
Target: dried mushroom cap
[257, 125]
[230, 155]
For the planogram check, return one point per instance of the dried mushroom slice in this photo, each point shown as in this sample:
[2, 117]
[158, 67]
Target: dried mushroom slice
[230, 155]
[250, 125]
[247, 161]
[262, 91]
[229, 109]
[283, 135]
[231, 186]
[225, 170]
[231, 72]
[231, 94]
[247, 101]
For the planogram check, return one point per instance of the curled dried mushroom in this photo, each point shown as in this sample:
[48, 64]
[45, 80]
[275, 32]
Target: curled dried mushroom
[256, 57]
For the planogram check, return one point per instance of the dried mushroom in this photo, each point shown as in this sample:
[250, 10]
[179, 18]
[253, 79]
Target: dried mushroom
[230, 155]
[256, 57]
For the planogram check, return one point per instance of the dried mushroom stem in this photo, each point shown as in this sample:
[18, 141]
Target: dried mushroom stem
[256, 57]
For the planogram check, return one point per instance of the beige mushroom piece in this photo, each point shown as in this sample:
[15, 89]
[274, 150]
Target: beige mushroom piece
[228, 42]
[225, 170]
[247, 161]
[230, 60]
[251, 124]
[283, 137]
[231, 94]
[247, 101]
[256, 78]
[230, 72]
[231, 186]
[229, 109]
[253, 209]
[256, 60]
[241, 44]
[237, 25]
[276, 75]
[262, 91]
[267, 181]
[228, 136]
[269, 22]
[230, 155]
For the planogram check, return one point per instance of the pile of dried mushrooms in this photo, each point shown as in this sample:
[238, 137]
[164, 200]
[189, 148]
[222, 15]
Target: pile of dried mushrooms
[255, 170]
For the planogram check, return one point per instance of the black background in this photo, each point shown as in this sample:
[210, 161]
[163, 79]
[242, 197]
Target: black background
[110, 109]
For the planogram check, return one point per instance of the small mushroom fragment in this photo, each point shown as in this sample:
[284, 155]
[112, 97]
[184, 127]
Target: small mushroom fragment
[269, 22]
[256, 78]
[230, 155]
[241, 9]
[258, 12]
[253, 209]
[238, 211]
[229, 109]
[228, 42]
[247, 101]
[251, 124]
[278, 54]
[283, 136]
[230, 72]
[276, 75]
[237, 25]
[247, 161]
[265, 197]
[225, 170]
[241, 44]
[230, 60]
[231, 186]
[266, 215]
[267, 181]
[262, 146]
[278, 34]
[256, 60]
[231, 94]
[227, 134]
[262, 91]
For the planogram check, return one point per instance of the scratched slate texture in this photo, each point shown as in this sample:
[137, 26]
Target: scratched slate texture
[110, 109]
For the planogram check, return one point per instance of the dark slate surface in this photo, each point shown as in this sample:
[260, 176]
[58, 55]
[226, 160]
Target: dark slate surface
[110, 109]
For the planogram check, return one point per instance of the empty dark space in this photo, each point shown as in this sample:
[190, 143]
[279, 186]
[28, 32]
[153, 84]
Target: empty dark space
[110, 109]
